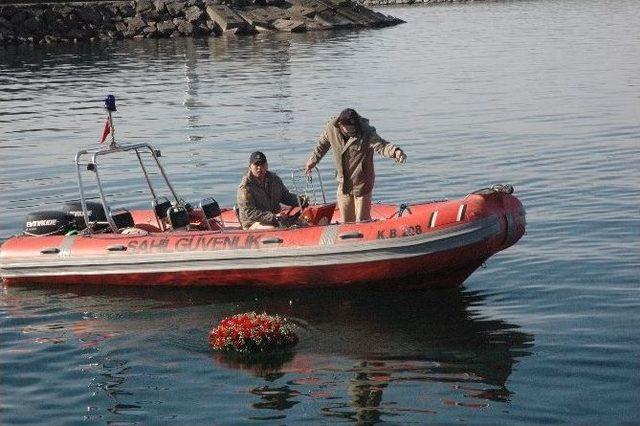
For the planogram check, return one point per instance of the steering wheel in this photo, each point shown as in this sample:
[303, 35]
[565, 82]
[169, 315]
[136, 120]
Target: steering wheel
[299, 212]
[288, 220]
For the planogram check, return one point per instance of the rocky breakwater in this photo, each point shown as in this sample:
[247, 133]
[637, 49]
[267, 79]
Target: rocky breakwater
[71, 22]
[426, 2]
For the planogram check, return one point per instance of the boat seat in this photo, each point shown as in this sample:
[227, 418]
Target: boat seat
[122, 218]
[161, 207]
[178, 217]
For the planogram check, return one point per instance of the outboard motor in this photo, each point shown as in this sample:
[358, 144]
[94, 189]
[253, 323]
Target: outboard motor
[95, 211]
[42, 224]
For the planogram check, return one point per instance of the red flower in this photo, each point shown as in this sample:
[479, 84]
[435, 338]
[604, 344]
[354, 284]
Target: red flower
[251, 332]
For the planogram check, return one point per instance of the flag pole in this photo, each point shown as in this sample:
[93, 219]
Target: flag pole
[110, 106]
[113, 131]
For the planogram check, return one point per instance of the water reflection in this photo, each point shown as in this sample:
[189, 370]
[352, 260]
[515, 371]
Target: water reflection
[363, 355]
[268, 366]
[394, 340]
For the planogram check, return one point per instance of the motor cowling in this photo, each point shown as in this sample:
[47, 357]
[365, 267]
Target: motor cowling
[45, 223]
[95, 212]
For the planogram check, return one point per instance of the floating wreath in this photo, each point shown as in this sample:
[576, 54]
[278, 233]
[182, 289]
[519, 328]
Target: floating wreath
[252, 333]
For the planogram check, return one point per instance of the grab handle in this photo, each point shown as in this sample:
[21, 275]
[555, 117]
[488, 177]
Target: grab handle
[50, 250]
[273, 240]
[351, 236]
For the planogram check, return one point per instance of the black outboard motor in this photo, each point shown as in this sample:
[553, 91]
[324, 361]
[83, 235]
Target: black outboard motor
[41, 224]
[95, 211]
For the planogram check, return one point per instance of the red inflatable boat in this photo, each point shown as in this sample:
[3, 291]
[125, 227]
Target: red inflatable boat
[93, 243]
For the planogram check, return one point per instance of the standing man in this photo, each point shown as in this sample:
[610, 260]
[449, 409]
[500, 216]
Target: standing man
[260, 194]
[353, 141]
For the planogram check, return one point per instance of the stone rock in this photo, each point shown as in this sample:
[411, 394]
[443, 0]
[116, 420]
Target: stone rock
[193, 13]
[31, 26]
[261, 18]
[4, 23]
[105, 12]
[134, 25]
[316, 5]
[63, 9]
[126, 9]
[50, 22]
[356, 17]
[75, 33]
[228, 20]
[151, 30]
[114, 10]
[6, 30]
[121, 27]
[376, 19]
[201, 29]
[165, 28]
[150, 15]
[298, 9]
[339, 3]
[289, 25]
[143, 5]
[19, 17]
[331, 19]
[90, 14]
[7, 12]
[185, 27]
[314, 25]
[160, 5]
[175, 8]
[38, 11]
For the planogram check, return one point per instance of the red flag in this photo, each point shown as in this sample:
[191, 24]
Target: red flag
[106, 131]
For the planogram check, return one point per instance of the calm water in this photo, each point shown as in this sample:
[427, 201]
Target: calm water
[541, 94]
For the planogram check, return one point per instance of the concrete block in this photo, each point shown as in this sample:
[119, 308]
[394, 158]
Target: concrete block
[228, 20]
[333, 19]
[289, 25]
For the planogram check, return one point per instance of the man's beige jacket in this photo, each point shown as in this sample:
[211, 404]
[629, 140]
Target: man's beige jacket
[353, 157]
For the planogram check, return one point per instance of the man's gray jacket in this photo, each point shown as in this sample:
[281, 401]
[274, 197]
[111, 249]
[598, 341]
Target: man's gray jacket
[261, 203]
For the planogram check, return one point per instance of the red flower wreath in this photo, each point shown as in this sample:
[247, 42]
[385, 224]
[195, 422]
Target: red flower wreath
[251, 333]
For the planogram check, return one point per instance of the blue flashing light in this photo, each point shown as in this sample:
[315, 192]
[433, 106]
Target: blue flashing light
[110, 103]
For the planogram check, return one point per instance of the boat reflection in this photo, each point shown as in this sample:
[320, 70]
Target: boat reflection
[384, 339]
[361, 352]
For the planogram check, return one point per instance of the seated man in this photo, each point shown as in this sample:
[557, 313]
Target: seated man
[260, 194]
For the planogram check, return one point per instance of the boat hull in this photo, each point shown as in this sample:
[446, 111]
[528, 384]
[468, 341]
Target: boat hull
[436, 244]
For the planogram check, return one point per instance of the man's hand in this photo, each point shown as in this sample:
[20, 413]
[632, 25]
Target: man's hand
[399, 156]
[304, 201]
[308, 167]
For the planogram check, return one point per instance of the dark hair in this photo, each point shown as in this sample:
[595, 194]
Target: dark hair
[349, 116]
